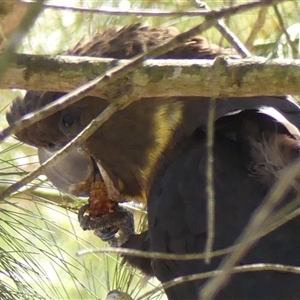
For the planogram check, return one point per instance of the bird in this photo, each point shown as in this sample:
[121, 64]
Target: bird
[251, 149]
[154, 152]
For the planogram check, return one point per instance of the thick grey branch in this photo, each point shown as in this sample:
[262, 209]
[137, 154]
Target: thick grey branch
[243, 77]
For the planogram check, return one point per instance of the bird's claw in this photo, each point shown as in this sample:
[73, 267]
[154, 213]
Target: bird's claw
[114, 228]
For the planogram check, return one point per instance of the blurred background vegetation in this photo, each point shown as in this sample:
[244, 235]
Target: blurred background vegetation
[39, 232]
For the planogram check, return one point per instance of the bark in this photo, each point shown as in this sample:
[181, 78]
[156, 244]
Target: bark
[158, 78]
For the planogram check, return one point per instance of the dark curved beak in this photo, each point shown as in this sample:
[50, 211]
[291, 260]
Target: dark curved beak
[73, 174]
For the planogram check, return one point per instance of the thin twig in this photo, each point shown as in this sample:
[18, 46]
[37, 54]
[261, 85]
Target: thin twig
[154, 255]
[231, 38]
[242, 50]
[120, 12]
[283, 28]
[241, 269]
[210, 190]
[258, 24]
[280, 219]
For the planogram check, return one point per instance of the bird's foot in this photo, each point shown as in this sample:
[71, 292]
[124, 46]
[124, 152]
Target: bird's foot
[114, 228]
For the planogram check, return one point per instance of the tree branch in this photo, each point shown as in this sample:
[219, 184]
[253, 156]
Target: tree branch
[259, 267]
[157, 78]
[144, 13]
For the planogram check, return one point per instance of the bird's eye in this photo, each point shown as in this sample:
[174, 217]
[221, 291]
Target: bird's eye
[68, 120]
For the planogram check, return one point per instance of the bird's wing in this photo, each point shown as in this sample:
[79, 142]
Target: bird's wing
[177, 222]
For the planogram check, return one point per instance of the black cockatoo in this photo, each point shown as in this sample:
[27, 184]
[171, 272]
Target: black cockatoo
[154, 151]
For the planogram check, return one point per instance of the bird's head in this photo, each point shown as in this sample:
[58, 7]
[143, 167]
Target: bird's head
[44, 133]
[73, 174]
